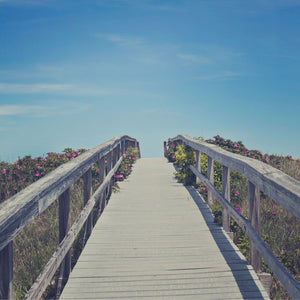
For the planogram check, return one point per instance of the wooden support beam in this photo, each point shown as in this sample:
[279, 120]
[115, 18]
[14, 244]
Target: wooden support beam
[254, 217]
[210, 176]
[64, 227]
[6, 272]
[108, 168]
[87, 192]
[198, 164]
[101, 204]
[226, 195]
[165, 149]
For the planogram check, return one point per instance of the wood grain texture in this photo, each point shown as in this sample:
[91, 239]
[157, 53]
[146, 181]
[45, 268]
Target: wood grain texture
[157, 239]
[282, 188]
[45, 277]
[287, 280]
[226, 195]
[6, 272]
[21, 209]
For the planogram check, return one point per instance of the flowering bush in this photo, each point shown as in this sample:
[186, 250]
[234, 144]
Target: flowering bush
[280, 230]
[129, 158]
[15, 177]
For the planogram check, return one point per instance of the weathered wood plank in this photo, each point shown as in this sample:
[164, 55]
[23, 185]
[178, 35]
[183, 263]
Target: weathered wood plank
[6, 272]
[152, 241]
[210, 176]
[87, 192]
[198, 164]
[64, 227]
[45, 277]
[282, 188]
[254, 217]
[21, 209]
[226, 195]
[288, 281]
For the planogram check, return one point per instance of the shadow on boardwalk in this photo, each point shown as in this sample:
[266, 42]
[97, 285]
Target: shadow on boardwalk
[230, 252]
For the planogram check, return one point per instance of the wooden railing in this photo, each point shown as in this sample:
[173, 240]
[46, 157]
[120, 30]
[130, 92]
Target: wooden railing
[283, 189]
[21, 209]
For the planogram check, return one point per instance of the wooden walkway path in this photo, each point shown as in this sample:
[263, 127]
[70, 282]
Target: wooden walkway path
[156, 239]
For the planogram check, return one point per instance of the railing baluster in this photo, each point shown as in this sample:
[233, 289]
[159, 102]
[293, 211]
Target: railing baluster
[226, 194]
[108, 168]
[101, 204]
[210, 176]
[254, 217]
[165, 149]
[6, 272]
[198, 164]
[87, 192]
[64, 227]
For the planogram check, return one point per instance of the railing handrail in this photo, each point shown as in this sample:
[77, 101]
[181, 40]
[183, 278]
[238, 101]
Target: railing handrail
[279, 186]
[282, 188]
[34, 199]
[22, 208]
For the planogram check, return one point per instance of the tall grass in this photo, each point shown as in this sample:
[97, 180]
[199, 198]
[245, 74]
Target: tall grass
[35, 245]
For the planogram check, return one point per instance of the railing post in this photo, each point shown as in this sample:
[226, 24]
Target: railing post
[122, 146]
[101, 204]
[138, 149]
[108, 168]
[87, 192]
[210, 176]
[64, 227]
[254, 217]
[6, 272]
[226, 194]
[198, 164]
[165, 149]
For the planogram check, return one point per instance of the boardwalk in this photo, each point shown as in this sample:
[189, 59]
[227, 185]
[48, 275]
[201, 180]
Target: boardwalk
[156, 239]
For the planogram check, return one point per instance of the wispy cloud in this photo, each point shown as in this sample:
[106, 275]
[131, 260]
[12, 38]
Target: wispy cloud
[195, 59]
[121, 39]
[62, 89]
[12, 110]
[12, 88]
[28, 2]
[54, 108]
[226, 75]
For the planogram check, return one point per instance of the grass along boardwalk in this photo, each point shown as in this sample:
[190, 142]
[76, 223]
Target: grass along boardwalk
[156, 239]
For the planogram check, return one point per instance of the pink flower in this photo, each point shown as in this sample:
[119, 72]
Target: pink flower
[237, 193]
[124, 155]
[68, 154]
[267, 159]
[273, 212]
[238, 208]
[278, 166]
[98, 170]
[74, 154]
[105, 161]
[4, 171]
[37, 174]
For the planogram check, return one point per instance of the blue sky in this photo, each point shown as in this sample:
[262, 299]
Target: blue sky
[77, 73]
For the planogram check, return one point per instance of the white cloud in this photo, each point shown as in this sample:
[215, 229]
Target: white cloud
[11, 110]
[121, 40]
[62, 89]
[13, 88]
[226, 75]
[192, 58]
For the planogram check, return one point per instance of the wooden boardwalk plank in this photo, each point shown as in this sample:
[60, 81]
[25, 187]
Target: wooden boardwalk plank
[156, 239]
